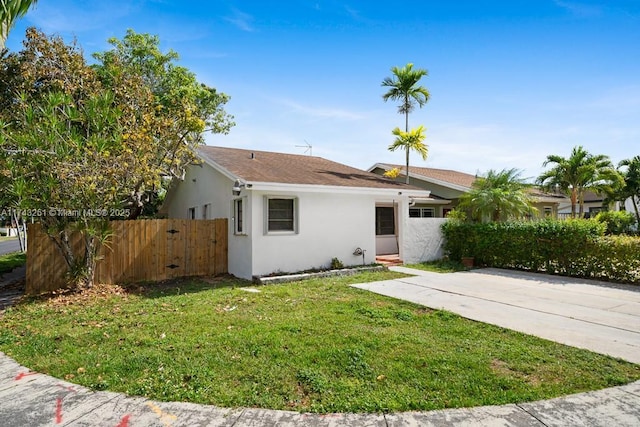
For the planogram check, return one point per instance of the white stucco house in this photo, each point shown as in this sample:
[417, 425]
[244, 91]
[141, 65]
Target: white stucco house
[595, 203]
[289, 213]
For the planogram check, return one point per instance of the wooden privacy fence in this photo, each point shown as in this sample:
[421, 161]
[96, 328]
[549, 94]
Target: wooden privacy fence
[139, 250]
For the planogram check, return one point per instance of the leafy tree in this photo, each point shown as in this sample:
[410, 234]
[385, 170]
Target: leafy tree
[403, 86]
[411, 140]
[10, 10]
[79, 142]
[580, 172]
[71, 148]
[497, 196]
[185, 107]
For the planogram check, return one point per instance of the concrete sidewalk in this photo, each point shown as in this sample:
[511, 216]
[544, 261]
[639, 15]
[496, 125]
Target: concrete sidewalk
[31, 399]
[601, 317]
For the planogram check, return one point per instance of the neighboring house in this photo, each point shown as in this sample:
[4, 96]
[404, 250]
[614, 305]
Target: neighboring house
[594, 203]
[289, 213]
[447, 186]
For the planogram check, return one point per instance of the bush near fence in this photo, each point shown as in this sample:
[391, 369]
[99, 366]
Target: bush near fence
[576, 248]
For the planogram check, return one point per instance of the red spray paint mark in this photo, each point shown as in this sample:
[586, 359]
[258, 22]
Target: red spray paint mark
[67, 388]
[21, 375]
[125, 421]
[59, 410]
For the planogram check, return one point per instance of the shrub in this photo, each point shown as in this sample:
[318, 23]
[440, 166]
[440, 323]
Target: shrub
[336, 264]
[572, 248]
[618, 222]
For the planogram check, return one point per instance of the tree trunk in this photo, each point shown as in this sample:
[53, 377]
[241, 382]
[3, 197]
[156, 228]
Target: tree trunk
[4, 32]
[81, 270]
[90, 261]
[135, 212]
[574, 199]
[635, 207]
[22, 235]
[407, 178]
[65, 248]
[406, 119]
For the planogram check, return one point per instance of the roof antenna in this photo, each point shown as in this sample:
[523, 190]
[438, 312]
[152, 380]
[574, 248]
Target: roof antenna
[309, 147]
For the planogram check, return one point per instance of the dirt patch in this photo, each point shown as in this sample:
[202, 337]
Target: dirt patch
[500, 367]
[66, 297]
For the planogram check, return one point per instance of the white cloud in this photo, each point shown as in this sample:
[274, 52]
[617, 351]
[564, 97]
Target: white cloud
[242, 20]
[320, 112]
[357, 16]
[63, 16]
[621, 100]
[580, 10]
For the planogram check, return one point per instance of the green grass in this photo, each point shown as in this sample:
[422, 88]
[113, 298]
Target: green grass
[439, 266]
[10, 261]
[317, 345]
[5, 238]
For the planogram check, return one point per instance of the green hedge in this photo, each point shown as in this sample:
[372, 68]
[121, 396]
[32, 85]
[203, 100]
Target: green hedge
[575, 248]
[618, 222]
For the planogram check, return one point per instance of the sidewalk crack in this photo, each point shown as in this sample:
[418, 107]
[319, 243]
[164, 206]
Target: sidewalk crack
[531, 415]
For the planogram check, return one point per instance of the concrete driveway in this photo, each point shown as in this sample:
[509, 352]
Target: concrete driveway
[597, 316]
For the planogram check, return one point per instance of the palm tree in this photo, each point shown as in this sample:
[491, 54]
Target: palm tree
[580, 172]
[403, 87]
[631, 187]
[498, 196]
[411, 140]
[10, 10]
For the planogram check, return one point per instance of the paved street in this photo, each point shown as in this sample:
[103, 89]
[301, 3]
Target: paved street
[9, 246]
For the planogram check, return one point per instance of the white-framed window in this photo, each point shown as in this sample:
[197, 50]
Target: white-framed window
[191, 213]
[422, 212]
[548, 211]
[281, 215]
[239, 222]
[206, 211]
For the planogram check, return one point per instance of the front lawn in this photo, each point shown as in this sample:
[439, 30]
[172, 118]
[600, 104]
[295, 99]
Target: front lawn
[10, 261]
[317, 345]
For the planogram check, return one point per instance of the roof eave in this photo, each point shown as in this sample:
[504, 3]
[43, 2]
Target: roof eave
[424, 178]
[315, 188]
[217, 166]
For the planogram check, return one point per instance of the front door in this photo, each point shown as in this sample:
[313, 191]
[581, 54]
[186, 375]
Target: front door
[386, 229]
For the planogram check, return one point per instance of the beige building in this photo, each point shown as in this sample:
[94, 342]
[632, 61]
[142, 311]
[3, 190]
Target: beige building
[447, 186]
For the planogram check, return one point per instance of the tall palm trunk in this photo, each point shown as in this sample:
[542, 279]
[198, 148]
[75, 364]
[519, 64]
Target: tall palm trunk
[4, 33]
[406, 129]
[407, 178]
[9, 12]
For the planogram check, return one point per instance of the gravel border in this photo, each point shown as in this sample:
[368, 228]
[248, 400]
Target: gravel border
[266, 280]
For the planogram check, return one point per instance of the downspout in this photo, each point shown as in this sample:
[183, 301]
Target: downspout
[395, 219]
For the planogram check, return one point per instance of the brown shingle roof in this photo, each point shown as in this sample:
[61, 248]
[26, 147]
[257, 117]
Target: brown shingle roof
[461, 178]
[265, 166]
[445, 175]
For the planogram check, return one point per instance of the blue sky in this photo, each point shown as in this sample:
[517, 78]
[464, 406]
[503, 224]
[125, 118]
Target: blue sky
[510, 81]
